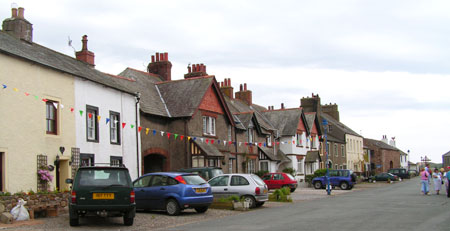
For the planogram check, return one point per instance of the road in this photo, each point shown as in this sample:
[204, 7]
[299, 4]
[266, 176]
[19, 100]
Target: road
[399, 206]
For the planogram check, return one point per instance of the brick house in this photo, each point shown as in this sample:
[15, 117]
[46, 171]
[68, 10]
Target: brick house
[382, 155]
[446, 160]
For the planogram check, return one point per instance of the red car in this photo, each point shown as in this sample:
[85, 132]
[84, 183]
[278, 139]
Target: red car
[280, 179]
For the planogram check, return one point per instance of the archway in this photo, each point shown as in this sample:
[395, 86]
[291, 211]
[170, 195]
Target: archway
[154, 163]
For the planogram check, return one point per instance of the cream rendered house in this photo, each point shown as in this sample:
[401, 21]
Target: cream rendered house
[355, 152]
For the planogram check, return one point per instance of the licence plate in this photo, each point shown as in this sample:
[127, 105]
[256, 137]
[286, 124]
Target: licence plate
[103, 196]
[200, 190]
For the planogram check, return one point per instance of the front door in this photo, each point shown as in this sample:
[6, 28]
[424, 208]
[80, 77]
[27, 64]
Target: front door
[154, 163]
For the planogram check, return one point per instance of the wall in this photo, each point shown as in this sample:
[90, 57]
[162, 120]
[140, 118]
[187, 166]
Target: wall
[23, 119]
[355, 152]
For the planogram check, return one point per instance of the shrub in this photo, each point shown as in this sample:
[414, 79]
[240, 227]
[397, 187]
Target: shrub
[308, 178]
[320, 172]
[261, 173]
[290, 171]
[286, 191]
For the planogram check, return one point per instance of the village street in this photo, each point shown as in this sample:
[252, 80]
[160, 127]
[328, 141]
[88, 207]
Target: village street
[378, 206]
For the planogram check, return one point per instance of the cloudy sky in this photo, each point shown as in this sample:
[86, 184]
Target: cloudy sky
[385, 63]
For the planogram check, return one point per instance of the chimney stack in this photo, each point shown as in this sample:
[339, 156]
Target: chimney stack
[282, 105]
[160, 65]
[85, 55]
[197, 70]
[18, 26]
[226, 88]
[244, 94]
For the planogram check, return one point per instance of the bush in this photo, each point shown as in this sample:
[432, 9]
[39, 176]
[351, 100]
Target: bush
[261, 173]
[320, 172]
[286, 190]
[280, 196]
[234, 198]
[308, 178]
[290, 171]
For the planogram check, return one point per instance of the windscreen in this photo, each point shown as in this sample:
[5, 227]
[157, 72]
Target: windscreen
[258, 180]
[194, 179]
[290, 176]
[103, 177]
[216, 172]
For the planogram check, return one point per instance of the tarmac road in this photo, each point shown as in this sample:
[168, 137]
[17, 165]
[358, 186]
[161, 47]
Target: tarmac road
[400, 206]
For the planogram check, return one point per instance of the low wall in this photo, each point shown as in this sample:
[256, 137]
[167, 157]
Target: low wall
[49, 203]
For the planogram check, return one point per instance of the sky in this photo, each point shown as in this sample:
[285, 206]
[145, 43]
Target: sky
[384, 63]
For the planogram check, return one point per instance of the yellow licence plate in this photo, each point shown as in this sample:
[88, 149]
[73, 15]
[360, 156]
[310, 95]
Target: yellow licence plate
[200, 190]
[103, 196]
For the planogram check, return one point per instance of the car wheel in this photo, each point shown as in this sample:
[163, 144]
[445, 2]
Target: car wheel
[259, 204]
[251, 201]
[292, 190]
[344, 185]
[172, 207]
[317, 185]
[201, 209]
[128, 221]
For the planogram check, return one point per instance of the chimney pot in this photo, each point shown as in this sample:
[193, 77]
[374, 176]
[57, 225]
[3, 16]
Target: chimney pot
[161, 56]
[153, 58]
[14, 13]
[166, 56]
[240, 87]
[21, 14]
[229, 83]
[189, 68]
[84, 41]
[282, 105]
[197, 67]
[245, 86]
[157, 56]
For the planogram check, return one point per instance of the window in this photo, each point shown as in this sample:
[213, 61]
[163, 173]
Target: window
[209, 125]
[250, 135]
[345, 166]
[229, 133]
[86, 159]
[115, 160]
[51, 113]
[300, 166]
[278, 177]
[336, 150]
[330, 128]
[198, 161]
[92, 123]
[230, 165]
[251, 166]
[335, 166]
[213, 162]
[219, 181]
[114, 128]
[342, 150]
[238, 181]
[269, 140]
[143, 182]
[328, 148]
[299, 138]
[313, 140]
[264, 166]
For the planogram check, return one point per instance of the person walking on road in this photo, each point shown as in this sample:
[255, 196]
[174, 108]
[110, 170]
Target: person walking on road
[424, 176]
[437, 181]
[447, 181]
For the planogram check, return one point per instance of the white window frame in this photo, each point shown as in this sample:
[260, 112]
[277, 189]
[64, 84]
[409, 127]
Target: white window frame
[209, 126]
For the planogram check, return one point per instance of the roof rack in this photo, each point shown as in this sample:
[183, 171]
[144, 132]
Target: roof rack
[104, 165]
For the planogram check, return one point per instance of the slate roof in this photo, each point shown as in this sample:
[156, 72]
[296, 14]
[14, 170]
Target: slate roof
[380, 144]
[269, 153]
[41, 55]
[208, 149]
[286, 121]
[338, 130]
[310, 117]
[447, 154]
[312, 156]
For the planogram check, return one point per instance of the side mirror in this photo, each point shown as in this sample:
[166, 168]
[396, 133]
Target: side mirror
[69, 181]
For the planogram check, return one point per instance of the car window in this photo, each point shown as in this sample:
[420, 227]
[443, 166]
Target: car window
[278, 177]
[219, 181]
[142, 182]
[171, 181]
[103, 177]
[216, 172]
[193, 179]
[267, 177]
[157, 180]
[290, 176]
[238, 180]
[333, 173]
[343, 173]
[257, 180]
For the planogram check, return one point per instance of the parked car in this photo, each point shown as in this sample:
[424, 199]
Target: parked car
[280, 180]
[384, 176]
[413, 173]
[172, 192]
[247, 186]
[400, 172]
[205, 172]
[102, 191]
[343, 178]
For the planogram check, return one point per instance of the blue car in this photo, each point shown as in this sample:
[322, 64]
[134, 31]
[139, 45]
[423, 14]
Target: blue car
[343, 178]
[172, 192]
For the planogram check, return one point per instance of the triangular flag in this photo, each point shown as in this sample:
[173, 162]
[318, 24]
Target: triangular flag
[278, 143]
[230, 142]
[90, 115]
[62, 106]
[207, 140]
[4, 86]
[146, 131]
[132, 125]
[81, 112]
[293, 141]
[72, 109]
[264, 144]
[261, 144]
[139, 129]
[107, 120]
[15, 89]
[154, 132]
[45, 100]
[36, 97]
[27, 94]
[196, 138]
[224, 143]
[181, 137]
[201, 139]
[116, 121]
[168, 135]
[212, 141]
[123, 125]
[240, 144]
[55, 104]
[162, 133]
[175, 136]
[246, 143]
[189, 138]
[98, 118]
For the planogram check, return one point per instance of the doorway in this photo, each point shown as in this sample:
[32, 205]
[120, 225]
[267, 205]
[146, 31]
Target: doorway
[154, 163]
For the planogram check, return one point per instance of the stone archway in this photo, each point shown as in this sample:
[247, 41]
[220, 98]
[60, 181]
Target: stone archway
[155, 160]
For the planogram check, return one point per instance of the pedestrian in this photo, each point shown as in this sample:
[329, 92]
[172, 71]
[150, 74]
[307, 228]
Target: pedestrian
[424, 176]
[447, 181]
[437, 180]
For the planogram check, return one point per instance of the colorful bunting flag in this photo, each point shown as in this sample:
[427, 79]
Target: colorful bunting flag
[123, 125]
[15, 89]
[154, 132]
[62, 106]
[90, 115]
[81, 112]
[189, 138]
[45, 100]
[132, 125]
[55, 104]
[4, 86]
[139, 129]
[181, 137]
[207, 140]
[168, 135]
[98, 118]
[162, 133]
[72, 109]
[212, 141]
[175, 136]
[36, 97]
[107, 119]
[146, 131]
[27, 94]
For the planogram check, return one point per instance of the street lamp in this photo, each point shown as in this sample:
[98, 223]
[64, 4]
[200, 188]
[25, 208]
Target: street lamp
[327, 176]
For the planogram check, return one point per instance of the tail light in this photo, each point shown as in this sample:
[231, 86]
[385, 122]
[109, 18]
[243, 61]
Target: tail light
[74, 197]
[132, 196]
[180, 179]
[257, 191]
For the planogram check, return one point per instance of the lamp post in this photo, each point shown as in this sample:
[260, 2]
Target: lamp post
[327, 176]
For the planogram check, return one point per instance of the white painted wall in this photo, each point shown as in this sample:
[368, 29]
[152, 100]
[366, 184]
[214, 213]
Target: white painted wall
[107, 99]
[404, 161]
[355, 152]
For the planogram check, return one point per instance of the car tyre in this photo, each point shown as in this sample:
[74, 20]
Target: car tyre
[128, 221]
[74, 221]
[259, 204]
[293, 190]
[251, 201]
[172, 207]
[201, 209]
[344, 185]
[318, 185]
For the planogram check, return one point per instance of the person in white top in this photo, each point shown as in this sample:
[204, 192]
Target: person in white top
[437, 180]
